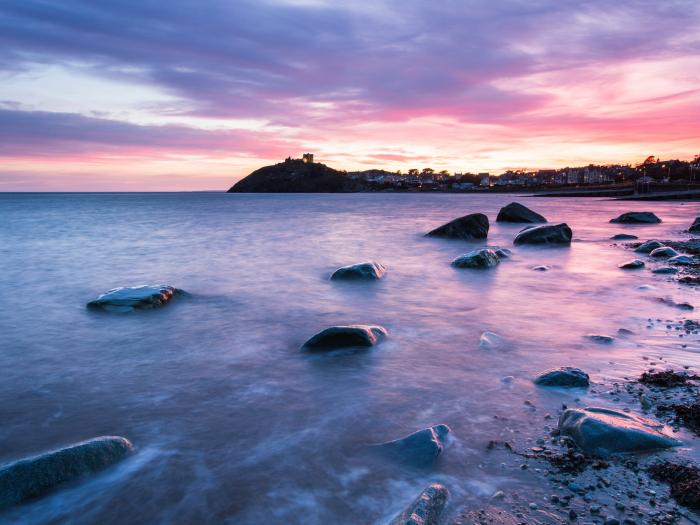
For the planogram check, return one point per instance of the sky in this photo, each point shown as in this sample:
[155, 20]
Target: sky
[141, 95]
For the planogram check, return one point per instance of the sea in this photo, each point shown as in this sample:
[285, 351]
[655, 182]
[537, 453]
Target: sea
[234, 423]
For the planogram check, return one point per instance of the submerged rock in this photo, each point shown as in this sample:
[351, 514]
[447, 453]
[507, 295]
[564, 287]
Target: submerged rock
[695, 227]
[604, 431]
[426, 508]
[366, 271]
[663, 251]
[489, 340]
[546, 234]
[649, 246]
[624, 237]
[665, 270]
[682, 260]
[542, 268]
[143, 297]
[483, 258]
[420, 448]
[636, 217]
[671, 302]
[634, 264]
[600, 339]
[346, 336]
[516, 212]
[35, 476]
[566, 376]
[473, 226]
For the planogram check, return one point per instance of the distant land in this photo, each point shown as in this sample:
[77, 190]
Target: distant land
[649, 177]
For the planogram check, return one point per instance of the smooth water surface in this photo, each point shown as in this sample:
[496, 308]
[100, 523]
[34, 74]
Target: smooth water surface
[233, 423]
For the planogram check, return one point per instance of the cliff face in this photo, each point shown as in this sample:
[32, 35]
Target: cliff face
[295, 176]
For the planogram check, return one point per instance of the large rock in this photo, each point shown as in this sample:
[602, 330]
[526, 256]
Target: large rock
[636, 217]
[366, 271]
[565, 376]
[420, 448]
[346, 336]
[516, 212]
[634, 264]
[474, 226]
[483, 258]
[695, 227]
[546, 234]
[663, 251]
[143, 297]
[35, 476]
[426, 508]
[649, 246]
[603, 431]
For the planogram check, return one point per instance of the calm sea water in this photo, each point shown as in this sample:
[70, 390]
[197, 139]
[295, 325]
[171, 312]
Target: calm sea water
[233, 423]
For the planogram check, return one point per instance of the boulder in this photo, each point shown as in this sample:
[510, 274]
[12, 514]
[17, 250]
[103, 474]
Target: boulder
[664, 251]
[695, 227]
[516, 212]
[634, 264]
[420, 448]
[624, 237]
[636, 217]
[600, 339]
[426, 508]
[649, 246]
[483, 258]
[682, 260]
[143, 297]
[474, 226]
[565, 376]
[35, 476]
[665, 270]
[546, 234]
[603, 431]
[346, 336]
[366, 271]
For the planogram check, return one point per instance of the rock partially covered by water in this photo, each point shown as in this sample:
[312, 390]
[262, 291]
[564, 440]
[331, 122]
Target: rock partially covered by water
[502, 253]
[483, 258]
[474, 226]
[665, 270]
[663, 251]
[695, 227]
[604, 431]
[682, 260]
[426, 508]
[565, 376]
[35, 476]
[636, 217]
[516, 212]
[143, 297]
[420, 448]
[634, 264]
[489, 340]
[624, 237]
[366, 271]
[649, 246]
[346, 336]
[546, 234]
[601, 339]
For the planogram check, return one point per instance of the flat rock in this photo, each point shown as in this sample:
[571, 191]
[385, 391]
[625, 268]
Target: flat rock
[604, 431]
[483, 258]
[636, 217]
[682, 260]
[516, 212]
[665, 270]
[420, 448]
[624, 237]
[600, 339]
[126, 299]
[365, 271]
[545, 234]
[634, 264]
[35, 476]
[695, 227]
[426, 508]
[346, 336]
[473, 226]
[649, 246]
[664, 251]
[565, 376]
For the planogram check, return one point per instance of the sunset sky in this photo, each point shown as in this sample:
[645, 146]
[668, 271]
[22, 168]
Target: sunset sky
[188, 95]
